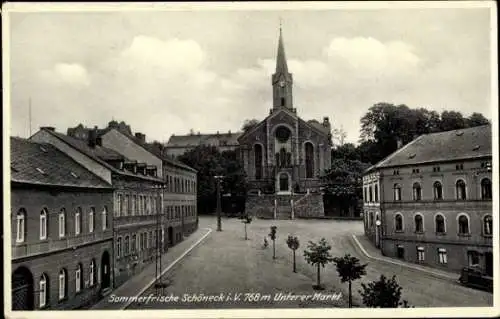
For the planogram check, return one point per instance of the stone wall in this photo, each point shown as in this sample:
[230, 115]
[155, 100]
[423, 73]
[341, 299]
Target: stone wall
[309, 206]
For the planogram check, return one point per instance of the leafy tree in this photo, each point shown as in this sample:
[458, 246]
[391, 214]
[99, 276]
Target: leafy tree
[272, 235]
[209, 162]
[349, 269]
[293, 243]
[477, 119]
[319, 255]
[451, 120]
[347, 151]
[384, 293]
[338, 136]
[249, 124]
[246, 220]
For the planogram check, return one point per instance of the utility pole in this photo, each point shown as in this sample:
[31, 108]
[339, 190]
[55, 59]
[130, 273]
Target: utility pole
[218, 178]
[29, 115]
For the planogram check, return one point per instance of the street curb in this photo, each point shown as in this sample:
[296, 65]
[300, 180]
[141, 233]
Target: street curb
[167, 269]
[432, 273]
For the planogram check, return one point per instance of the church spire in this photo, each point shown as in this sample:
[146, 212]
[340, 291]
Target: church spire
[281, 65]
[282, 80]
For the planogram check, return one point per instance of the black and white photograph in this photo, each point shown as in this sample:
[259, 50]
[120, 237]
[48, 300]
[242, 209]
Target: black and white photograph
[250, 159]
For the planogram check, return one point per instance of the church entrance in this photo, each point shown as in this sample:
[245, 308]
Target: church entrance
[284, 183]
[22, 289]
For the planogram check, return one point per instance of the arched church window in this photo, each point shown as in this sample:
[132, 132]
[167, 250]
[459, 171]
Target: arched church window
[258, 161]
[309, 150]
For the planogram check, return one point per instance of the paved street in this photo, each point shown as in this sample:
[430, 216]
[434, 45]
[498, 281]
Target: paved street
[226, 263]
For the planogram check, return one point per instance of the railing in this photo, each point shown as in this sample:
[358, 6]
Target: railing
[50, 245]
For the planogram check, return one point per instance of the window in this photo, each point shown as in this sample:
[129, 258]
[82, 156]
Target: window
[145, 207]
[420, 253]
[150, 239]
[309, 150]
[487, 225]
[134, 243]
[399, 222]
[258, 161]
[21, 225]
[419, 224]
[126, 206]
[127, 251]
[91, 219]
[461, 190]
[376, 193]
[62, 284]
[118, 208]
[134, 199]
[43, 290]
[282, 101]
[440, 225]
[397, 192]
[463, 225]
[366, 194]
[43, 224]
[370, 193]
[443, 258]
[62, 223]
[436, 169]
[438, 190]
[417, 191]
[92, 274]
[371, 219]
[396, 172]
[459, 167]
[105, 218]
[78, 221]
[118, 247]
[78, 278]
[485, 188]
[415, 170]
[473, 257]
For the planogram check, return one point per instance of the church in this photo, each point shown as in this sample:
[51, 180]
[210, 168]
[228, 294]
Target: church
[285, 156]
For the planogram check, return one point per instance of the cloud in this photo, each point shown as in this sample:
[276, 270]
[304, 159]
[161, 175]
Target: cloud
[67, 73]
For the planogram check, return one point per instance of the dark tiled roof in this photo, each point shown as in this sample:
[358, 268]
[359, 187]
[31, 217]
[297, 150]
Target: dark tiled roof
[474, 142]
[100, 154]
[41, 163]
[193, 140]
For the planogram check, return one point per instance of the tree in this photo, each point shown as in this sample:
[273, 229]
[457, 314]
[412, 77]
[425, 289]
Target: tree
[349, 269]
[476, 119]
[246, 220]
[272, 235]
[293, 243]
[338, 136]
[451, 120]
[249, 124]
[319, 255]
[384, 293]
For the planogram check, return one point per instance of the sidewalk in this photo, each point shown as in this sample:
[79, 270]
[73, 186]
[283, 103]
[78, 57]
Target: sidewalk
[370, 251]
[136, 285]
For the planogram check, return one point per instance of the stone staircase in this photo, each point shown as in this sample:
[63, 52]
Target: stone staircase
[283, 207]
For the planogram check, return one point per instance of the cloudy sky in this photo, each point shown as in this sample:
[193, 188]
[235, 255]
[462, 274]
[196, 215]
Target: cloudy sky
[166, 72]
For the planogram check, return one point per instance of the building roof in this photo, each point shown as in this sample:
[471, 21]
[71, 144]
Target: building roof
[193, 140]
[469, 143]
[44, 164]
[100, 154]
[152, 150]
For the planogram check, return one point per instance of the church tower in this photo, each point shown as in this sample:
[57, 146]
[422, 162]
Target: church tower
[282, 80]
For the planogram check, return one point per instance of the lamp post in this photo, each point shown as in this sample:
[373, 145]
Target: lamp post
[159, 285]
[218, 178]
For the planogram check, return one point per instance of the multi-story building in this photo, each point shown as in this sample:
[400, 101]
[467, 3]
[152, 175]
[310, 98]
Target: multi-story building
[179, 214]
[62, 229]
[180, 144]
[136, 200]
[430, 202]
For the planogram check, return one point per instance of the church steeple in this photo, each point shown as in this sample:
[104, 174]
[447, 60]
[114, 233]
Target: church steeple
[282, 80]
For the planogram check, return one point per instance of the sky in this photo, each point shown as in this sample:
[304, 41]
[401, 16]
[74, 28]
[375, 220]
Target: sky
[167, 72]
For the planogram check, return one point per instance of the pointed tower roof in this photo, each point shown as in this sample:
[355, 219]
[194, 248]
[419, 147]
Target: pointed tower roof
[281, 65]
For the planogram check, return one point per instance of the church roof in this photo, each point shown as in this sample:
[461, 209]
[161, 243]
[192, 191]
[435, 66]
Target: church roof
[463, 144]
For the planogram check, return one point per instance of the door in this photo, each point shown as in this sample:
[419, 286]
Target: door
[170, 236]
[22, 289]
[105, 270]
[488, 259]
[400, 252]
[284, 182]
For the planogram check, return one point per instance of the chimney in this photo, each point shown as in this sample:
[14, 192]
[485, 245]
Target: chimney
[92, 140]
[399, 142]
[141, 137]
[48, 128]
